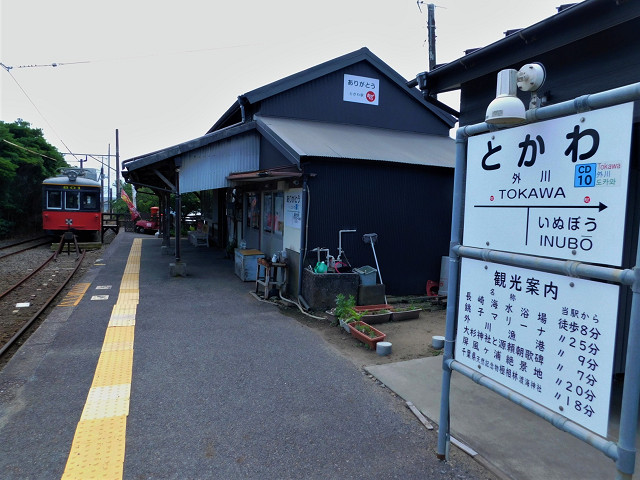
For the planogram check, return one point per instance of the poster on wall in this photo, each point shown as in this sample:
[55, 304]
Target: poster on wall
[278, 210]
[293, 210]
[361, 90]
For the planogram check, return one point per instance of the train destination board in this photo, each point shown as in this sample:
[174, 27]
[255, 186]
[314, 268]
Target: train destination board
[548, 337]
[556, 188]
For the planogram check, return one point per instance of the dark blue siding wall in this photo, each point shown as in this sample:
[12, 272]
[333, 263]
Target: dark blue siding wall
[609, 60]
[409, 207]
[321, 100]
[270, 157]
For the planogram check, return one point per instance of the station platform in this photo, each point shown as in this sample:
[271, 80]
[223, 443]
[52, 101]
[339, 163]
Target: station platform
[140, 375]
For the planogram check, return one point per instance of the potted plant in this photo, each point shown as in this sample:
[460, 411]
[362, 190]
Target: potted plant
[345, 310]
[366, 334]
[405, 312]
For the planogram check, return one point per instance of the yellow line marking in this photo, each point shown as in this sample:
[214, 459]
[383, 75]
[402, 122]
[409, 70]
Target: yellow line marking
[98, 446]
[74, 296]
[97, 449]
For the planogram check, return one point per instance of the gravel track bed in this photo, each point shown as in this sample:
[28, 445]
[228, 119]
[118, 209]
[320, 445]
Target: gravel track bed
[37, 290]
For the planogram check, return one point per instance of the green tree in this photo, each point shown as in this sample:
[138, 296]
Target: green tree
[190, 204]
[26, 159]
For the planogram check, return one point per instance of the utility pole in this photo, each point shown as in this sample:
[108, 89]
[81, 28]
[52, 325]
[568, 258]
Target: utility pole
[109, 176]
[431, 28]
[117, 163]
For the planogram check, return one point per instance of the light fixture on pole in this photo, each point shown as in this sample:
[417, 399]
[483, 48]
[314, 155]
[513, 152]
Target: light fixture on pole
[507, 108]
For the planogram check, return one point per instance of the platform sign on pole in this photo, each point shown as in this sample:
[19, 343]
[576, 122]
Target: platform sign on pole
[556, 188]
[548, 337]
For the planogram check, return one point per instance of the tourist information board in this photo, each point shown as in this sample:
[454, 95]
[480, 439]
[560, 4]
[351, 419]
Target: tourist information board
[548, 337]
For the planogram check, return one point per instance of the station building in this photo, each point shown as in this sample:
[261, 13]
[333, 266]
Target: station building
[344, 145]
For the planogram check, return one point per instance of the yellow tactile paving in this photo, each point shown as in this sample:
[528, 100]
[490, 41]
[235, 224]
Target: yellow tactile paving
[98, 446]
[118, 338]
[97, 450]
[113, 368]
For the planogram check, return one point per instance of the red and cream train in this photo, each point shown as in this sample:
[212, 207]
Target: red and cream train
[71, 201]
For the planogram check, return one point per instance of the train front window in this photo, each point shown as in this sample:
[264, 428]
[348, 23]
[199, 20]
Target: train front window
[89, 200]
[72, 200]
[54, 199]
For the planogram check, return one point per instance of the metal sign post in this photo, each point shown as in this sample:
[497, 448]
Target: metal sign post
[541, 205]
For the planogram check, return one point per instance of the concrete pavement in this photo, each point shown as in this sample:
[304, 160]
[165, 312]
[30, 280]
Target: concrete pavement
[221, 387]
[517, 442]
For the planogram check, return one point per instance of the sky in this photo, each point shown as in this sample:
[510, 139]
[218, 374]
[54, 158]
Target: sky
[162, 72]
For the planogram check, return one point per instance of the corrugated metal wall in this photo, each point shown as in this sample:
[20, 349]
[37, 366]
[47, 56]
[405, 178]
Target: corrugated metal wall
[207, 168]
[408, 206]
[617, 61]
[322, 99]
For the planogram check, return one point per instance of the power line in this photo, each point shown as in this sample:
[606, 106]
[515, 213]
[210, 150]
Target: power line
[28, 150]
[8, 69]
[135, 57]
[54, 64]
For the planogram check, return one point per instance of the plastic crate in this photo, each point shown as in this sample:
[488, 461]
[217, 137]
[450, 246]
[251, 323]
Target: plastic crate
[367, 275]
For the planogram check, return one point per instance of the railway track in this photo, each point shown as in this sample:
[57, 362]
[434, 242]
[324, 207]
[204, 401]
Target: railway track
[30, 283]
[24, 245]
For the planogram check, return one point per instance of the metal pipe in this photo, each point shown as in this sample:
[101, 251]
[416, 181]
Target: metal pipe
[452, 293]
[340, 232]
[568, 268]
[615, 96]
[631, 391]
[607, 447]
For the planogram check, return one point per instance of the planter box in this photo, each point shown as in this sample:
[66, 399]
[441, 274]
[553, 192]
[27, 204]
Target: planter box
[371, 308]
[405, 315]
[374, 317]
[371, 342]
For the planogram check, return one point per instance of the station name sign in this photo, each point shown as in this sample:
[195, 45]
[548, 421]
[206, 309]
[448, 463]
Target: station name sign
[556, 188]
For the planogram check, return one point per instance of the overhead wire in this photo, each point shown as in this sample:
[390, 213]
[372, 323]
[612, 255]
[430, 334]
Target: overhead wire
[29, 150]
[8, 69]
